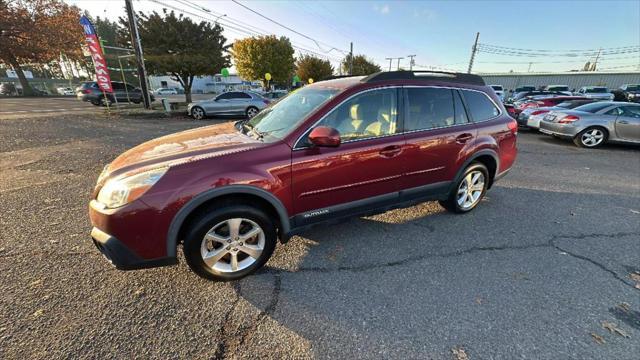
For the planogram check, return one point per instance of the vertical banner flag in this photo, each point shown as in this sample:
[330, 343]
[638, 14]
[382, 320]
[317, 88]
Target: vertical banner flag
[100, 63]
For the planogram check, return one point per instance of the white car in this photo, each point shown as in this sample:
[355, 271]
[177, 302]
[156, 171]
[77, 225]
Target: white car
[165, 91]
[67, 91]
[499, 91]
[596, 92]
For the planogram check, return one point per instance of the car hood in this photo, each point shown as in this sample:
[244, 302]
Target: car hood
[181, 147]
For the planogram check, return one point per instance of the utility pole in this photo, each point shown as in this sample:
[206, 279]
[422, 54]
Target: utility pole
[390, 60]
[411, 62]
[394, 58]
[529, 70]
[351, 60]
[400, 58]
[595, 63]
[473, 53]
[135, 40]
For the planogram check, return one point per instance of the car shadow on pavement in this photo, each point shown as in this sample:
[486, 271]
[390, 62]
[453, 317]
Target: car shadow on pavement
[607, 146]
[513, 274]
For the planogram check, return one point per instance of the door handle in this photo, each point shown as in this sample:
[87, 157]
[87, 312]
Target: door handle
[391, 151]
[463, 138]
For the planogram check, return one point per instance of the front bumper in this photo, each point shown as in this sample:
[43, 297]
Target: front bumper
[121, 256]
[557, 129]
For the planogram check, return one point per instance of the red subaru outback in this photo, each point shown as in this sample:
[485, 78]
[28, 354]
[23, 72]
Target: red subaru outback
[337, 148]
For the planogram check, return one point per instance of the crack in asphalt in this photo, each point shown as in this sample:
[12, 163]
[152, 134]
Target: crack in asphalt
[230, 342]
[548, 244]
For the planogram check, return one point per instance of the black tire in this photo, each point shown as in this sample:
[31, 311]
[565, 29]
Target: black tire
[105, 101]
[251, 110]
[198, 113]
[451, 203]
[201, 225]
[580, 140]
[96, 102]
[136, 101]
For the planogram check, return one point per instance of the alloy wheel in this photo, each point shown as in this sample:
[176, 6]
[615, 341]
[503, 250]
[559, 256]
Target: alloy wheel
[232, 245]
[197, 113]
[592, 137]
[251, 112]
[470, 190]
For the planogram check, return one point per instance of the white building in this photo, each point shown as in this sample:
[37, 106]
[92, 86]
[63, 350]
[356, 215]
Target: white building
[208, 84]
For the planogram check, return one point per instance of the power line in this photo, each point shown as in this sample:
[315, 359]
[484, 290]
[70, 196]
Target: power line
[564, 51]
[240, 30]
[290, 29]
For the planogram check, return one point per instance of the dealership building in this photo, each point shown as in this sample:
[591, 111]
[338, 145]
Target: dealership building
[575, 80]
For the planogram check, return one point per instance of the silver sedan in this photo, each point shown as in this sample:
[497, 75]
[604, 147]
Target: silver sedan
[242, 103]
[594, 124]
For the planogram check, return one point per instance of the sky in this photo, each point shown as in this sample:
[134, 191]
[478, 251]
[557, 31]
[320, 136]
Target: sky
[439, 33]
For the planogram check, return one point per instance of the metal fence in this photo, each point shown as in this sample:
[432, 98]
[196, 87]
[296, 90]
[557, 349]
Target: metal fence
[574, 80]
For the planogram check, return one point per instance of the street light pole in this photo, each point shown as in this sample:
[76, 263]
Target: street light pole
[135, 40]
[411, 62]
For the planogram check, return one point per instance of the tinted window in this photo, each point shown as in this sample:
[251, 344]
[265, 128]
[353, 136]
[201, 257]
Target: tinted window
[631, 111]
[558, 88]
[496, 87]
[117, 86]
[227, 95]
[633, 87]
[240, 95]
[371, 114]
[429, 108]
[479, 105]
[593, 107]
[596, 90]
[615, 111]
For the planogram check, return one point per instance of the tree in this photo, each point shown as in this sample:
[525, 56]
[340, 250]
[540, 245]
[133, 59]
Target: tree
[257, 56]
[313, 67]
[361, 65]
[108, 31]
[177, 46]
[37, 31]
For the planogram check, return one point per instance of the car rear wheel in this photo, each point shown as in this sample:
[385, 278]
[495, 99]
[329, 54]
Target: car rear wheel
[252, 111]
[469, 190]
[197, 113]
[591, 137]
[230, 242]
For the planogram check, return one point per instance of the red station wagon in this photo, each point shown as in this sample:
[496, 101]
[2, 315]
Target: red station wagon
[333, 149]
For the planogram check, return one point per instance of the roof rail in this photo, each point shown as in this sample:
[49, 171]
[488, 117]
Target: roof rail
[333, 77]
[425, 75]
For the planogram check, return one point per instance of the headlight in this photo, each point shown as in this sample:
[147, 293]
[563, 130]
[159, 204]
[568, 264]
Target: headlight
[631, 96]
[118, 192]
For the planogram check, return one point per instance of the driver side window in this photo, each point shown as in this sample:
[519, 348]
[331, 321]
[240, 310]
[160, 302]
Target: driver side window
[368, 115]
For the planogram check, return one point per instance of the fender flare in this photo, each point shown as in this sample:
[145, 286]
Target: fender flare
[471, 159]
[181, 215]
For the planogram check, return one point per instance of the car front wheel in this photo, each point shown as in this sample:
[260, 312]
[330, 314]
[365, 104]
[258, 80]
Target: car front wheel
[591, 137]
[252, 111]
[230, 242]
[469, 190]
[197, 113]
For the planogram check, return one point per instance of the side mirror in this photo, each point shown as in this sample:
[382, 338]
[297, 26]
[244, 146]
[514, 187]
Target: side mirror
[324, 136]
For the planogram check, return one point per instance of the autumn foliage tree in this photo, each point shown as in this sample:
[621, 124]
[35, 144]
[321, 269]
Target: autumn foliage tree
[361, 65]
[311, 67]
[37, 31]
[256, 56]
[179, 47]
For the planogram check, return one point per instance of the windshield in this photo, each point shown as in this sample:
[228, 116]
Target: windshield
[633, 87]
[280, 119]
[558, 88]
[593, 107]
[497, 87]
[596, 90]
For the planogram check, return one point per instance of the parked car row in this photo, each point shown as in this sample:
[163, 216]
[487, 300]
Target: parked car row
[627, 92]
[90, 92]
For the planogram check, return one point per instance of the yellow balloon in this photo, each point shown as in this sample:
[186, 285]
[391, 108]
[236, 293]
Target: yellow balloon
[267, 76]
[310, 80]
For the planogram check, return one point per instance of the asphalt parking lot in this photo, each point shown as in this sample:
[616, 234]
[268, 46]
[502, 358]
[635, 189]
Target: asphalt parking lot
[547, 267]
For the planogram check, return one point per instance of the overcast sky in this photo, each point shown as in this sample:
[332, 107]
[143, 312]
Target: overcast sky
[439, 33]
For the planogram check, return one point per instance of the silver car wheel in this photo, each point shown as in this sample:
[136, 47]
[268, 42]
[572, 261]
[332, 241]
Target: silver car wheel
[592, 137]
[197, 113]
[232, 245]
[470, 190]
[251, 112]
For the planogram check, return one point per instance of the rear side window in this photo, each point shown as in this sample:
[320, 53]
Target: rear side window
[224, 96]
[240, 95]
[479, 105]
[429, 108]
[117, 86]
